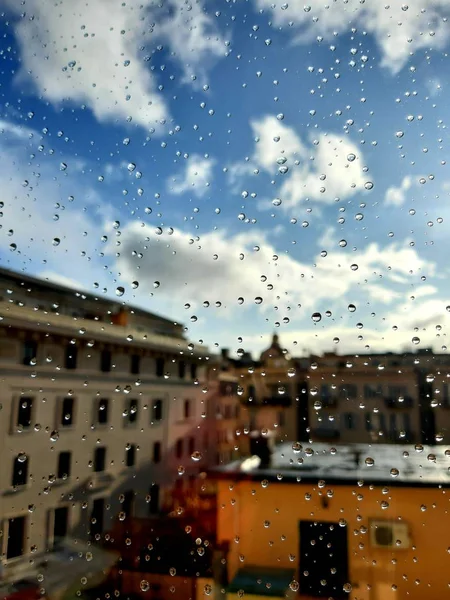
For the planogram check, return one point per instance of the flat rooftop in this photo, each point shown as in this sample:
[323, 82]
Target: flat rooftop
[381, 464]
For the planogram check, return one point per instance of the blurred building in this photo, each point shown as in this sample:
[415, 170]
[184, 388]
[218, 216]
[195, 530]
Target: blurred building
[359, 522]
[377, 398]
[102, 410]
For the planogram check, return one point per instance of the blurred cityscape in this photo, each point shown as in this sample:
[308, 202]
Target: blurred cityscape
[137, 463]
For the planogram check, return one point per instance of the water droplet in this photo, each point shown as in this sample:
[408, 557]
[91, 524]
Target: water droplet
[120, 291]
[316, 317]
[368, 185]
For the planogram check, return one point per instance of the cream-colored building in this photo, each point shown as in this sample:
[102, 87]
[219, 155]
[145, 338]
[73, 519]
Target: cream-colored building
[101, 411]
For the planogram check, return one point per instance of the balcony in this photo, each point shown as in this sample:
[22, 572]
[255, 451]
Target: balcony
[394, 402]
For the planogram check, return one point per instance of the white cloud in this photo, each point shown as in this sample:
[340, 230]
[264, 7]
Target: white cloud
[322, 168]
[398, 28]
[197, 176]
[396, 196]
[327, 238]
[88, 52]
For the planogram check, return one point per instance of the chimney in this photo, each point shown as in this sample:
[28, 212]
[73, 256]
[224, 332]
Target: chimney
[225, 353]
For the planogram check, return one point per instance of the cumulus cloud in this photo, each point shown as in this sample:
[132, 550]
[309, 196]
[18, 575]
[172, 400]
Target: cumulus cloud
[320, 168]
[88, 52]
[399, 28]
[219, 266]
[396, 196]
[196, 176]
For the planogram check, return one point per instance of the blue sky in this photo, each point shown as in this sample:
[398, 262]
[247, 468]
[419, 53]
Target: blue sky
[247, 164]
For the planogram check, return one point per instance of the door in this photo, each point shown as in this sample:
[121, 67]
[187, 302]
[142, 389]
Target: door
[323, 559]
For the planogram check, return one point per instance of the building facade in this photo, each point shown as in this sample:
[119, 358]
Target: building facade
[101, 412]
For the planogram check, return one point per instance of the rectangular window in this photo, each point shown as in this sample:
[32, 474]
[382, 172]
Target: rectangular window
[29, 352]
[67, 411]
[179, 448]
[105, 361]
[368, 419]
[71, 356]
[128, 503]
[157, 410]
[64, 464]
[60, 522]
[193, 369]
[131, 412]
[281, 419]
[372, 391]
[382, 421]
[135, 364]
[24, 412]
[153, 506]
[348, 390]
[20, 470]
[393, 424]
[16, 537]
[181, 369]
[97, 517]
[187, 409]
[445, 396]
[156, 452]
[349, 420]
[102, 411]
[407, 422]
[159, 367]
[99, 459]
[130, 455]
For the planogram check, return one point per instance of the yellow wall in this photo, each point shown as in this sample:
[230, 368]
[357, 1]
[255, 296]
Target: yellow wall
[422, 571]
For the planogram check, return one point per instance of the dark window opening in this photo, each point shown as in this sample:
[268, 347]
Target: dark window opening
[187, 409]
[181, 369]
[16, 537]
[24, 412]
[160, 367]
[153, 507]
[67, 412]
[157, 452]
[128, 503]
[131, 412]
[64, 463]
[157, 410]
[130, 455]
[135, 364]
[193, 369]
[105, 361]
[29, 352]
[102, 413]
[71, 356]
[99, 459]
[20, 470]
[179, 448]
[60, 522]
[97, 516]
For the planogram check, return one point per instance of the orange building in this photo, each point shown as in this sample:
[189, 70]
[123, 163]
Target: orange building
[356, 522]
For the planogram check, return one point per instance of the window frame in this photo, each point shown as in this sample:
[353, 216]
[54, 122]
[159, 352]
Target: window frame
[61, 413]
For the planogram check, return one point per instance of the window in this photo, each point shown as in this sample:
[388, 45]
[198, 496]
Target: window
[407, 423]
[67, 413]
[131, 412]
[156, 452]
[105, 361]
[181, 369]
[349, 420]
[348, 390]
[64, 464]
[179, 448]
[20, 470]
[97, 518]
[187, 409]
[128, 503]
[71, 356]
[281, 419]
[157, 410]
[102, 411]
[135, 364]
[99, 459]
[159, 367]
[372, 391]
[130, 455]
[60, 522]
[153, 505]
[193, 369]
[16, 537]
[29, 352]
[368, 421]
[24, 412]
